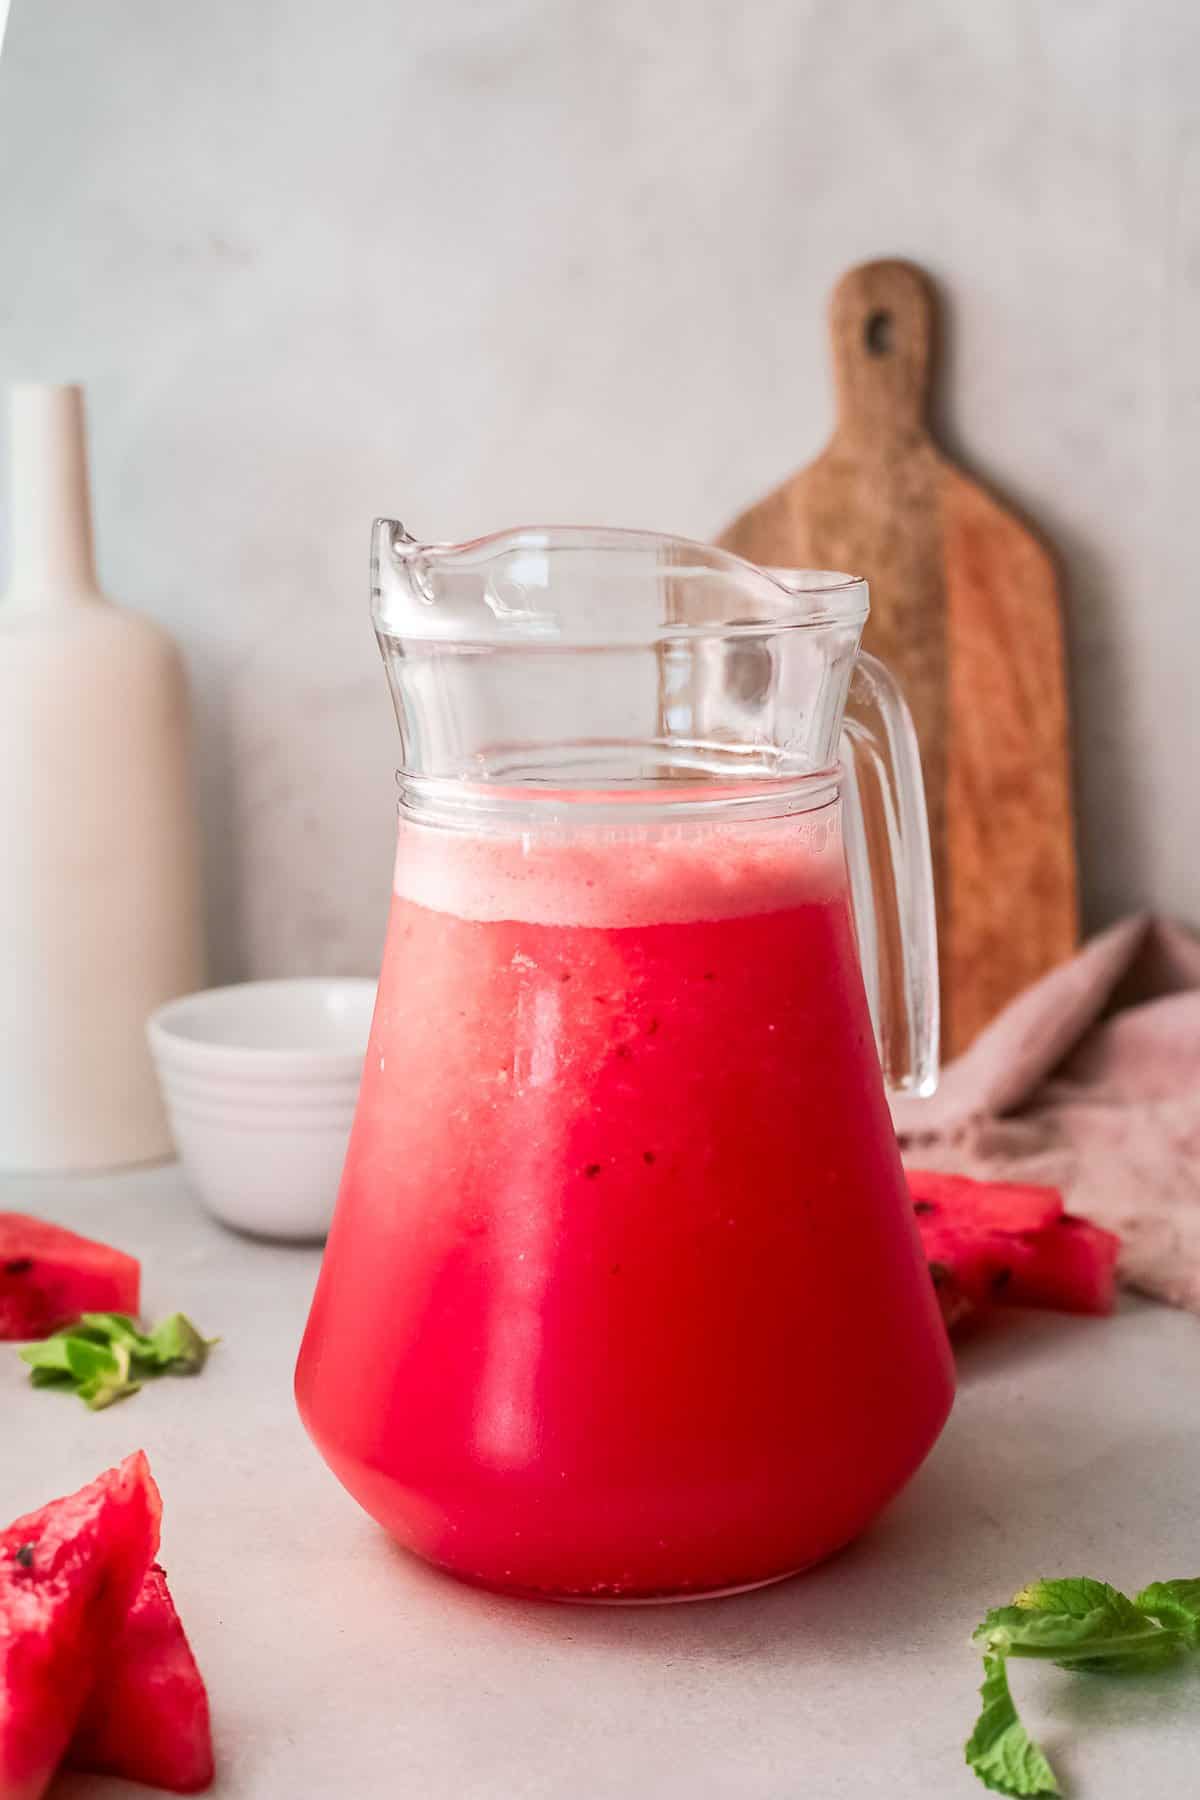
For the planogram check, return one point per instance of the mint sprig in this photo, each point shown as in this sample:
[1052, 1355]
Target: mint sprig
[1082, 1625]
[105, 1357]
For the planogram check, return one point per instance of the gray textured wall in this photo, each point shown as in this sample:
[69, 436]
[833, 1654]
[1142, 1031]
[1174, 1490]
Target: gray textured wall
[478, 263]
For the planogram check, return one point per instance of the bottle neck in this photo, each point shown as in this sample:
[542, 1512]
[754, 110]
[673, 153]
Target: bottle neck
[53, 563]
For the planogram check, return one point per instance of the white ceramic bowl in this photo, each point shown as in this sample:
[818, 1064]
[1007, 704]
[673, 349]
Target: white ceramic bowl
[260, 1082]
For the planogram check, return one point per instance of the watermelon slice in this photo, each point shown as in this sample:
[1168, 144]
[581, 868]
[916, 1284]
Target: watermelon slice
[1008, 1243]
[49, 1276]
[69, 1574]
[147, 1719]
[1072, 1267]
[975, 1233]
[956, 1200]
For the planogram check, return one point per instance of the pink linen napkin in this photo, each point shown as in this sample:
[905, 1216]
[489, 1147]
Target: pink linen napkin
[1090, 1081]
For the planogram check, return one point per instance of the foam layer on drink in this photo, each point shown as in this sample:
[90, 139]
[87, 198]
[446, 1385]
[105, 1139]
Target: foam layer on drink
[613, 876]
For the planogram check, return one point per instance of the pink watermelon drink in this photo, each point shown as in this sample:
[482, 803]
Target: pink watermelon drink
[622, 1151]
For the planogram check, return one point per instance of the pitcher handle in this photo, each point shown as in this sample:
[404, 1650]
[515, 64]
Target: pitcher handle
[891, 876]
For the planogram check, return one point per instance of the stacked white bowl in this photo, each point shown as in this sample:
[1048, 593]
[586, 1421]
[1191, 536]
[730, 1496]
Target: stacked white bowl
[260, 1083]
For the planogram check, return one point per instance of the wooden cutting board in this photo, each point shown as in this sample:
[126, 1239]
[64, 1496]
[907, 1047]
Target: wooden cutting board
[965, 612]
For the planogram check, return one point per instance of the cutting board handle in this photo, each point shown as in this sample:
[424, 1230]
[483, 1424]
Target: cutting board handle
[882, 317]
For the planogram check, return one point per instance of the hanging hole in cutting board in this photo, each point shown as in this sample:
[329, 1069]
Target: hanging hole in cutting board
[877, 333]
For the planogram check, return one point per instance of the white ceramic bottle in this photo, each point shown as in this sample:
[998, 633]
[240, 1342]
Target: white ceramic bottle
[99, 897]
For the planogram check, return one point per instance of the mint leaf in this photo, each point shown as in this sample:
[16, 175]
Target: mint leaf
[178, 1346]
[77, 1358]
[112, 1328]
[99, 1373]
[103, 1391]
[104, 1357]
[1114, 1634]
[1175, 1604]
[50, 1354]
[1000, 1750]
[1076, 1595]
[109, 1383]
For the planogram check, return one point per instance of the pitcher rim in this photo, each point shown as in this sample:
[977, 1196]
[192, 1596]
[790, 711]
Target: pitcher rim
[798, 598]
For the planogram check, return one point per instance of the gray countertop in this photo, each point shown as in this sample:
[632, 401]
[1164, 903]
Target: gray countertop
[337, 1666]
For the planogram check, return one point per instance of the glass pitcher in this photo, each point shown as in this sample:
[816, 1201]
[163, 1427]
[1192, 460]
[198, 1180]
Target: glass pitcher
[623, 1298]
